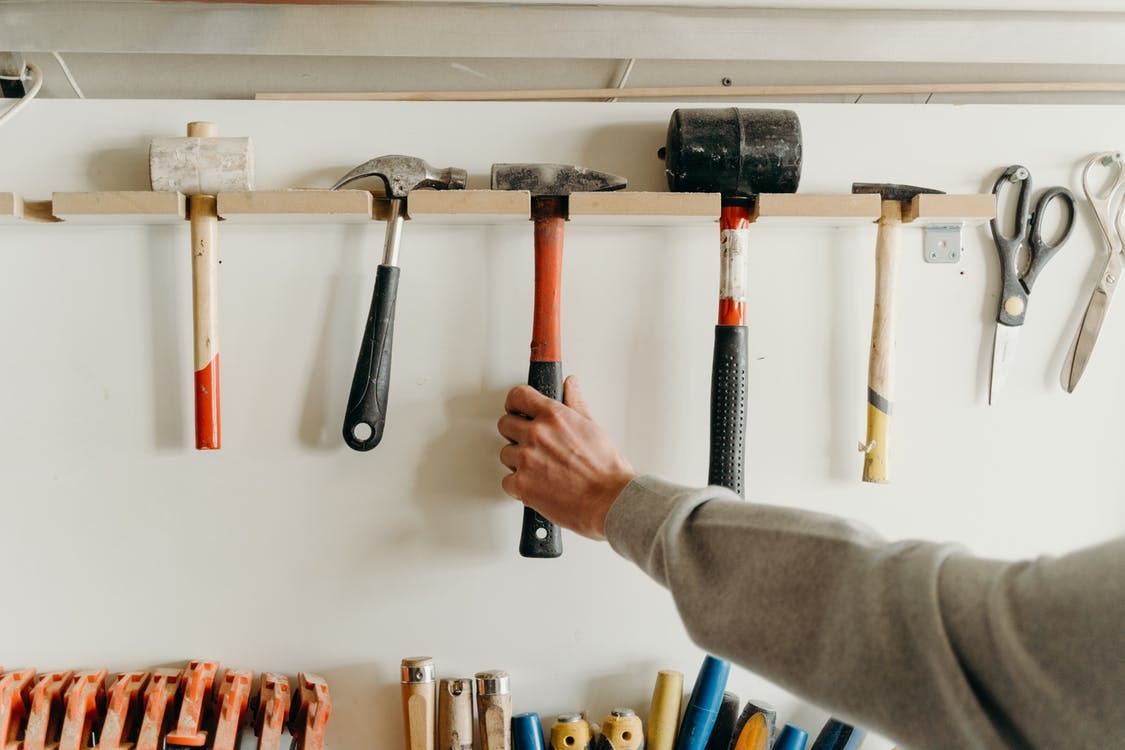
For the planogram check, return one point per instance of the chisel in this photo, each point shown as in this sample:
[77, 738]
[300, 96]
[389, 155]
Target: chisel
[791, 738]
[664, 713]
[621, 730]
[756, 728]
[836, 735]
[703, 706]
[494, 710]
[419, 702]
[455, 715]
[571, 732]
[527, 732]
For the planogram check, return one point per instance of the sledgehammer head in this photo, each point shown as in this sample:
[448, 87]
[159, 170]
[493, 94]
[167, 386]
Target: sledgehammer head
[736, 152]
[556, 180]
[401, 174]
[904, 194]
[202, 163]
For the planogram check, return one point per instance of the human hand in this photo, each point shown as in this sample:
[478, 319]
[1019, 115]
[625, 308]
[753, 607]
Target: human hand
[563, 464]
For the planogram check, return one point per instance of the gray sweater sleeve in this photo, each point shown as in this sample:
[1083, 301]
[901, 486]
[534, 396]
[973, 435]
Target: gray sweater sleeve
[920, 642]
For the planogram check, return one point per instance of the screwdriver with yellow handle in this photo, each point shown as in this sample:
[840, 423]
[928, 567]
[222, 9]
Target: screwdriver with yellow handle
[621, 730]
[571, 732]
[664, 713]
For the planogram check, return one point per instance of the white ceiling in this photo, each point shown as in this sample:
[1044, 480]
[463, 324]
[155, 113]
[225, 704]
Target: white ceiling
[121, 48]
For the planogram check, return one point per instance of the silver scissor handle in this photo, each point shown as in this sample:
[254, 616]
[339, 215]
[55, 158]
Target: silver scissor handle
[1113, 227]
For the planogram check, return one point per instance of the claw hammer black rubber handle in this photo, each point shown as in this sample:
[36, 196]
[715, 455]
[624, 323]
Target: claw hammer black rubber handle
[366, 414]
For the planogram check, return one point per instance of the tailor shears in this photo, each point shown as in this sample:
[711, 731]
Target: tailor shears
[1027, 231]
[1112, 223]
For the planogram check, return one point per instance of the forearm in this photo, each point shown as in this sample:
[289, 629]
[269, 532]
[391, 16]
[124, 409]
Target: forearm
[877, 632]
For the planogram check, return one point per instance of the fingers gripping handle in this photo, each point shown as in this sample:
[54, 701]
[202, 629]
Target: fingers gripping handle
[729, 380]
[366, 414]
[540, 537]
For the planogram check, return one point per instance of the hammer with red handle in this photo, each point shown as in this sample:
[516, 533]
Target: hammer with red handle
[201, 166]
[550, 186]
[366, 413]
[738, 153]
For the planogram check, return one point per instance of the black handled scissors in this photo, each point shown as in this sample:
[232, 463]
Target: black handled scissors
[1016, 285]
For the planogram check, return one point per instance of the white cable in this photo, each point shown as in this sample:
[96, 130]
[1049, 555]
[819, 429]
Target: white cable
[624, 76]
[68, 74]
[37, 77]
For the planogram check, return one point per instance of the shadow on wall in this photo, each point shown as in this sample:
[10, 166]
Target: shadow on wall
[460, 479]
[121, 168]
[619, 148]
[168, 306]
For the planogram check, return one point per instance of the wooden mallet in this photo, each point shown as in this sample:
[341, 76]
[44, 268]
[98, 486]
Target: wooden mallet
[202, 165]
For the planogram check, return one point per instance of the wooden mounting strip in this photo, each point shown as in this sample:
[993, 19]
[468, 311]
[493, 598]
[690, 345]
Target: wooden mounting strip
[469, 206]
[290, 206]
[793, 208]
[120, 207]
[11, 207]
[973, 208]
[623, 207]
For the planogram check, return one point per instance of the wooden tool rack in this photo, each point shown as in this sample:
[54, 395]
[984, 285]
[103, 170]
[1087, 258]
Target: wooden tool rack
[484, 207]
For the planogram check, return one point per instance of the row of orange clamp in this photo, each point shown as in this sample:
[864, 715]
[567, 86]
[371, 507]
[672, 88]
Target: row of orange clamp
[158, 709]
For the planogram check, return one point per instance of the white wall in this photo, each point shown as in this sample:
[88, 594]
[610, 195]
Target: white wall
[126, 548]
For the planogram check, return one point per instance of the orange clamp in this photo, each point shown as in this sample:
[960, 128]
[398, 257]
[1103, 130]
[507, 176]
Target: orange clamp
[15, 698]
[123, 712]
[196, 705]
[160, 694]
[44, 720]
[312, 705]
[271, 710]
[232, 697]
[85, 707]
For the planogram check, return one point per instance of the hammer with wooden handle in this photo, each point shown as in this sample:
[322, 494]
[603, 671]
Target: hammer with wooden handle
[201, 166]
[881, 363]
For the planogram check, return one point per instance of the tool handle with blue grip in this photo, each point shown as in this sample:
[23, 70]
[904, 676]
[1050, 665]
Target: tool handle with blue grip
[703, 706]
[791, 738]
[366, 414]
[527, 732]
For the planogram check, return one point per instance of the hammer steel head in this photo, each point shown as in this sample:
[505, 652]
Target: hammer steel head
[889, 191]
[557, 180]
[401, 174]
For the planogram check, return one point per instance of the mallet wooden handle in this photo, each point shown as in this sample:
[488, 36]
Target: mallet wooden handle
[881, 364]
[494, 710]
[419, 702]
[204, 216]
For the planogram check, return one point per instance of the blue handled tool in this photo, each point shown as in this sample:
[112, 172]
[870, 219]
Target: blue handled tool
[703, 706]
[791, 738]
[836, 735]
[527, 732]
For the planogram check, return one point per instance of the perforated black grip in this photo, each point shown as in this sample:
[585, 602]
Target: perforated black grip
[366, 414]
[728, 408]
[539, 537]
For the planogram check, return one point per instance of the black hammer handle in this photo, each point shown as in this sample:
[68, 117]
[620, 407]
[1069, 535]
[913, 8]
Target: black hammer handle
[728, 408]
[367, 404]
[540, 537]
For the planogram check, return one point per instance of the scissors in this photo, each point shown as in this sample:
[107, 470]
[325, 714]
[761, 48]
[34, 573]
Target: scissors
[1113, 229]
[1016, 285]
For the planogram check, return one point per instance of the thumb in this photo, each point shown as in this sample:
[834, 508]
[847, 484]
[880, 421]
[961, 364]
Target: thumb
[572, 397]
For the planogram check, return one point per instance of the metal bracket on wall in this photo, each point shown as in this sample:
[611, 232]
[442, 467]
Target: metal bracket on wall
[942, 243]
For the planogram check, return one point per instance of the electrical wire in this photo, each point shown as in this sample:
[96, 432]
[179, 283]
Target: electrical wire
[37, 77]
[68, 74]
[624, 76]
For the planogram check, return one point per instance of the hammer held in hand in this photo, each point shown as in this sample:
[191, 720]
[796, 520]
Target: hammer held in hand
[366, 414]
[201, 166]
[738, 153]
[550, 186]
[881, 364]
